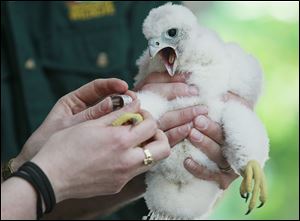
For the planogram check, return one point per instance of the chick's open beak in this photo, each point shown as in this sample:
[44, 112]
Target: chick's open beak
[167, 53]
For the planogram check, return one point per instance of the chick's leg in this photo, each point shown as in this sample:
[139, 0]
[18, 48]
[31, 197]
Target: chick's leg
[254, 172]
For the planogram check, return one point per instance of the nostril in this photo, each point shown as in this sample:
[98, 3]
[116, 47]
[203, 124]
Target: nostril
[157, 43]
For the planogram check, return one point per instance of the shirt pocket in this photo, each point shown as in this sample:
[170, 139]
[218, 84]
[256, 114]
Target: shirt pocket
[93, 49]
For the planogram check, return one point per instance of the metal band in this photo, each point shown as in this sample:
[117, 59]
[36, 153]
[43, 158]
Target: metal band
[120, 101]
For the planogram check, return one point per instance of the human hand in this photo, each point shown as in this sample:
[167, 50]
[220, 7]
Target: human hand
[94, 158]
[176, 124]
[76, 107]
[179, 129]
[208, 137]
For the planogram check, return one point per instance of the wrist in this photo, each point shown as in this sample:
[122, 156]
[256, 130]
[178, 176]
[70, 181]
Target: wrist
[58, 185]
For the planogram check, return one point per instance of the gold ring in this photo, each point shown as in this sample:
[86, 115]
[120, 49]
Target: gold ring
[226, 169]
[148, 157]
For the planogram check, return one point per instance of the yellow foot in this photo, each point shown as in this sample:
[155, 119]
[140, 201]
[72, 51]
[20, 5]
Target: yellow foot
[128, 118]
[253, 171]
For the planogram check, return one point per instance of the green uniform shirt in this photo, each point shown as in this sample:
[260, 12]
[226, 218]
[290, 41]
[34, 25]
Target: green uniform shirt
[51, 48]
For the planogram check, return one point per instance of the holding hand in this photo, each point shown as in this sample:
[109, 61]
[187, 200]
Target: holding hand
[176, 124]
[192, 123]
[83, 154]
[108, 159]
[208, 137]
[76, 107]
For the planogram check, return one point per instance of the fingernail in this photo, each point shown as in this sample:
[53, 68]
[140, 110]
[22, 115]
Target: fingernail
[188, 161]
[105, 105]
[196, 135]
[200, 110]
[193, 90]
[201, 122]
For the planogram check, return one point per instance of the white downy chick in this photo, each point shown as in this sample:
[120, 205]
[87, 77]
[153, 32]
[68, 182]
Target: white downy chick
[177, 43]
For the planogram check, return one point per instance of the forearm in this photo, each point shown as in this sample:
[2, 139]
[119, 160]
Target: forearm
[18, 199]
[91, 208]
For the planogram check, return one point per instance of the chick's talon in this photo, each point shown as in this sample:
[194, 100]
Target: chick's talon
[253, 172]
[247, 197]
[248, 212]
[243, 196]
[128, 118]
[261, 205]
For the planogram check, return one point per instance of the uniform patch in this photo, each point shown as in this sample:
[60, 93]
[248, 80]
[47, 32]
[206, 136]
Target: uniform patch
[81, 10]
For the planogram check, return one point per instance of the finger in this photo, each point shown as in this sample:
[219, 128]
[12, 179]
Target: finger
[177, 134]
[92, 92]
[143, 131]
[133, 107]
[132, 94]
[179, 117]
[226, 179]
[200, 171]
[94, 112]
[209, 128]
[161, 77]
[209, 147]
[135, 134]
[172, 90]
[159, 149]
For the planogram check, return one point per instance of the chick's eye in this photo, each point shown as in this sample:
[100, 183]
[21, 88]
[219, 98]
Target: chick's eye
[172, 32]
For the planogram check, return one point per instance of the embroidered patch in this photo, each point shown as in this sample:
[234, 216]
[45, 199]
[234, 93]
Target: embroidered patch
[86, 10]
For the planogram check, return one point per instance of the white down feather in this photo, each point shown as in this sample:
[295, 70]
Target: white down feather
[216, 67]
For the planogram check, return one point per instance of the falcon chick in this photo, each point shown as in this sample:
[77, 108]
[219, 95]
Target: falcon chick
[177, 43]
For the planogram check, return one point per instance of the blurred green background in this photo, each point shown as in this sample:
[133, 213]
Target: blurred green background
[269, 31]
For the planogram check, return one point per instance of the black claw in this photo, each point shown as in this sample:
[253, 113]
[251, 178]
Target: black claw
[261, 204]
[243, 196]
[247, 197]
[249, 210]
[134, 121]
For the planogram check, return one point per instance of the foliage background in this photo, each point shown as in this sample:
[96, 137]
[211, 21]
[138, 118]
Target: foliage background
[269, 31]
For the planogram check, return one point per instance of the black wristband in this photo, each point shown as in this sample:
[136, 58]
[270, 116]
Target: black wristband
[38, 179]
[42, 188]
[25, 176]
[44, 184]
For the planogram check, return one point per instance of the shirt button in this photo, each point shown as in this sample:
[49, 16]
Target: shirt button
[30, 64]
[102, 60]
